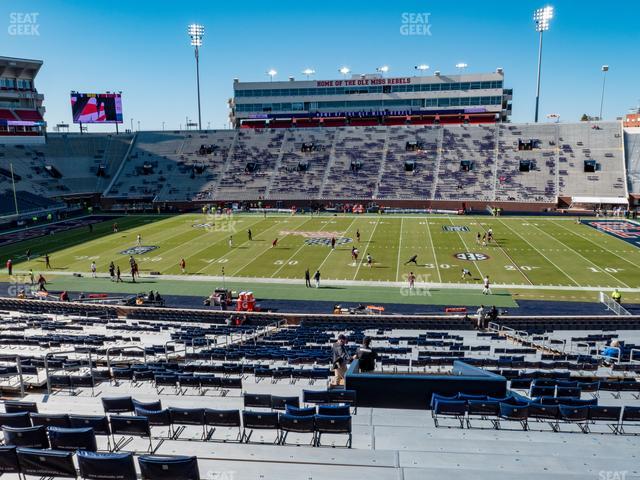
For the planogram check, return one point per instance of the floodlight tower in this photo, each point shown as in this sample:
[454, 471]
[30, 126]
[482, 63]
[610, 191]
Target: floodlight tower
[423, 67]
[542, 17]
[383, 69]
[461, 66]
[272, 73]
[308, 72]
[605, 69]
[344, 71]
[196, 32]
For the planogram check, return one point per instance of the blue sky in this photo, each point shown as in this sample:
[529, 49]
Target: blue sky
[141, 47]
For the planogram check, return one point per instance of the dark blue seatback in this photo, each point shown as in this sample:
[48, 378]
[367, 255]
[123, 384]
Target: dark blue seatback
[137, 404]
[50, 420]
[8, 460]
[186, 416]
[99, 423]
[339, 410]
[300, 412]
[72, 438]
[117, 404]
[31, 437]
[125, 425]
[14, 407]
[157, 418]
[106, 466]
[259, 420]
[16, 420]
[46, 463]
[155, 467]
[222, 418]
[297, 423]
[333, 423]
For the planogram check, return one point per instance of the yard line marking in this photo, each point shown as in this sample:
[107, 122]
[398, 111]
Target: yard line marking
[399, 249]
[325, 224]
[599, 246]
[475, 263]
[234, 250]
[541, 254]
[115, 251]
[224, 237]
[509, 257]
[433, 247]
[330, 251]
[268, 248]
[363, 253]
[582, 256]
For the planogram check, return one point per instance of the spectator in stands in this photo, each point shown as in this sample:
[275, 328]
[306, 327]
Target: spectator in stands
[151, 296]
[366, 356]
[340, 357]
[480, 317]
[616, 296]
[9, 267]
[611, 352]
[64, 296]
[316, 277]
[492, 317]
[158, 297]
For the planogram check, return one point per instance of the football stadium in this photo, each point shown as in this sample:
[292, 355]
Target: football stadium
[387, 273]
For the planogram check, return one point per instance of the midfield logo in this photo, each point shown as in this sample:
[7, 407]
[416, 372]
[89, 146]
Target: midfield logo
[141, 250]
[327, 241]
[455, 228]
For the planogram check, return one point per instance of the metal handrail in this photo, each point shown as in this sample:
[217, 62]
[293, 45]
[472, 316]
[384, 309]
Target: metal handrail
[126, 347]
[631, 359]
[175, 342]
[46, 365]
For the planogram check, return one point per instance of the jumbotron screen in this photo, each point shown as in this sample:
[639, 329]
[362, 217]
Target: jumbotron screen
[96, 107]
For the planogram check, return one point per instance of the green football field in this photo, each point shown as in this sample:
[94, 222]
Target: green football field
[527, 253]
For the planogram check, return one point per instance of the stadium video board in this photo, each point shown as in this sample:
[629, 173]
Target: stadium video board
[96, 107]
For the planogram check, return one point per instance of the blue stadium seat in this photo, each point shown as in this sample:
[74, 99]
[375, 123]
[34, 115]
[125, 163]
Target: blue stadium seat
[168, 468]
[72, 438]
[258, 421]
[31, 437]
[8, 460]
[106, 466]
[298, 424]
[46, 463]
[334, 425]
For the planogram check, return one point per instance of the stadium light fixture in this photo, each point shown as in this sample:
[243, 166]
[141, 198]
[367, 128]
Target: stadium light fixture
[605, 69]
[423, 67]
[196, 32]
[461, 66]
[542, 17]
[272, 73]
[308, 72]
[383, 69]
[344, 71]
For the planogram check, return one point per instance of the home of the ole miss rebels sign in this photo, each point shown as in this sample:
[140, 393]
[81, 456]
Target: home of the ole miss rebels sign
[363, 81]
